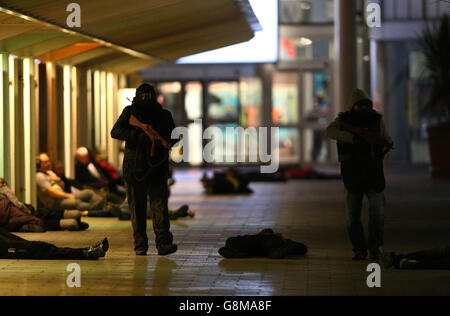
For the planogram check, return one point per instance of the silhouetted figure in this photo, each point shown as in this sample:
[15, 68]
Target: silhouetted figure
[362, 141]
[146, 167]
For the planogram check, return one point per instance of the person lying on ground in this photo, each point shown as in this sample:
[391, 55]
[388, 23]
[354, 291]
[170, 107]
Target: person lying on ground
[230, 182]
[433, 259]
[266, 243]
[15, 247]
[309, 173]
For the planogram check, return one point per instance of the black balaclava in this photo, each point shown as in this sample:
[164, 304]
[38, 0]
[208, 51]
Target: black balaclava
[146, 110]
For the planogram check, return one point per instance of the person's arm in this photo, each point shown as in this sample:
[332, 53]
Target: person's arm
[122, 130]
[334, 131]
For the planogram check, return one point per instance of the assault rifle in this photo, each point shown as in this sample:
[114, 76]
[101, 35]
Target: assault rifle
[369, 137]
[151, 133]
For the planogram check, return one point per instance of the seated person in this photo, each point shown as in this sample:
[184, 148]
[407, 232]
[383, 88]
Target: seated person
[70, 185]
[266, 243]
[51, 194]
[90, 175]
[433, 259]
[111, 172]
[226, 183]
[14, 220]
[16, 216]
[15, 247]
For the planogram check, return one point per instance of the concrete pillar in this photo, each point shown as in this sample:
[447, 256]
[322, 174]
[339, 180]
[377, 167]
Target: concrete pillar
[345, 51]
[4, 118]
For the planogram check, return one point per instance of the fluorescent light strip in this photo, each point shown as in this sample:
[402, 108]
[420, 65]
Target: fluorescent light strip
[27, 126]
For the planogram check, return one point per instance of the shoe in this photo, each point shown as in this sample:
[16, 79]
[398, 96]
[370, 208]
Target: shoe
[141, 252]
[230, 253]
[375, 254]
[83, 225]
[388, 260]
[114, 209]
[359, 256]
[104, 244]
[167, 249]
[97, 251]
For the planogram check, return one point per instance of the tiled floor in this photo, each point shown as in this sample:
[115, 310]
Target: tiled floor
[308, 211]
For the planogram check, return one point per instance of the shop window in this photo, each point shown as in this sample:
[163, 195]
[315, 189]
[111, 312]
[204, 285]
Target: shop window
[289, 149]
[169, 95]
[251, 96]
[223, 100]
[316, 146]
[301, 48]
[193, 100]
[285, 98]
[306, 12]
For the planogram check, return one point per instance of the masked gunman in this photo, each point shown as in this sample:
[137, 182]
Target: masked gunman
[362, 141]
[146, 127]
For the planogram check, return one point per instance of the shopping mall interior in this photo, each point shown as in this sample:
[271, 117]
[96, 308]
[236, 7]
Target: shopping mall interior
[221, 67]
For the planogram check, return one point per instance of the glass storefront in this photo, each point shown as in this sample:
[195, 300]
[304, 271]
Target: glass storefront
[304, 11]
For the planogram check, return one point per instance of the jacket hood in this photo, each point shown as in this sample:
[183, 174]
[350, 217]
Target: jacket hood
[357, 95]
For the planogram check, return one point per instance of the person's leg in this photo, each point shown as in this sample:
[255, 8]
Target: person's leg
[70, 204]
[68, 224]
[41, 250]
[161, 224]
[94, 200]
[137, 201]
[377, 205]
[431, 254]
[73, 214]
[355, 227]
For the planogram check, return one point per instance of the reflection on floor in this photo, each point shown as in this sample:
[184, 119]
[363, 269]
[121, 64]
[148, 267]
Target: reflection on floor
[308, 211]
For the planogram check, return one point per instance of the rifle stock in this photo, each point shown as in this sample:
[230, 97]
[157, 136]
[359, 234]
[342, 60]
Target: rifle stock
[151, 133]
[369, 137]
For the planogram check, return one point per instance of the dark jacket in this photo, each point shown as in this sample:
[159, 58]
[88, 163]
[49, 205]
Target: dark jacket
[83, 176]
[137, 163]
[359, 170]
[12, 218]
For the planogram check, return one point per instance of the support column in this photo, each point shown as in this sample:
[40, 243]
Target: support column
[345, 51]
[52, 118]
[29, 132]
[4, 118]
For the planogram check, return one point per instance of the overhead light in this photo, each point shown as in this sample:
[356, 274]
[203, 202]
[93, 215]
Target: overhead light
[302, 41]
[305, 5]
